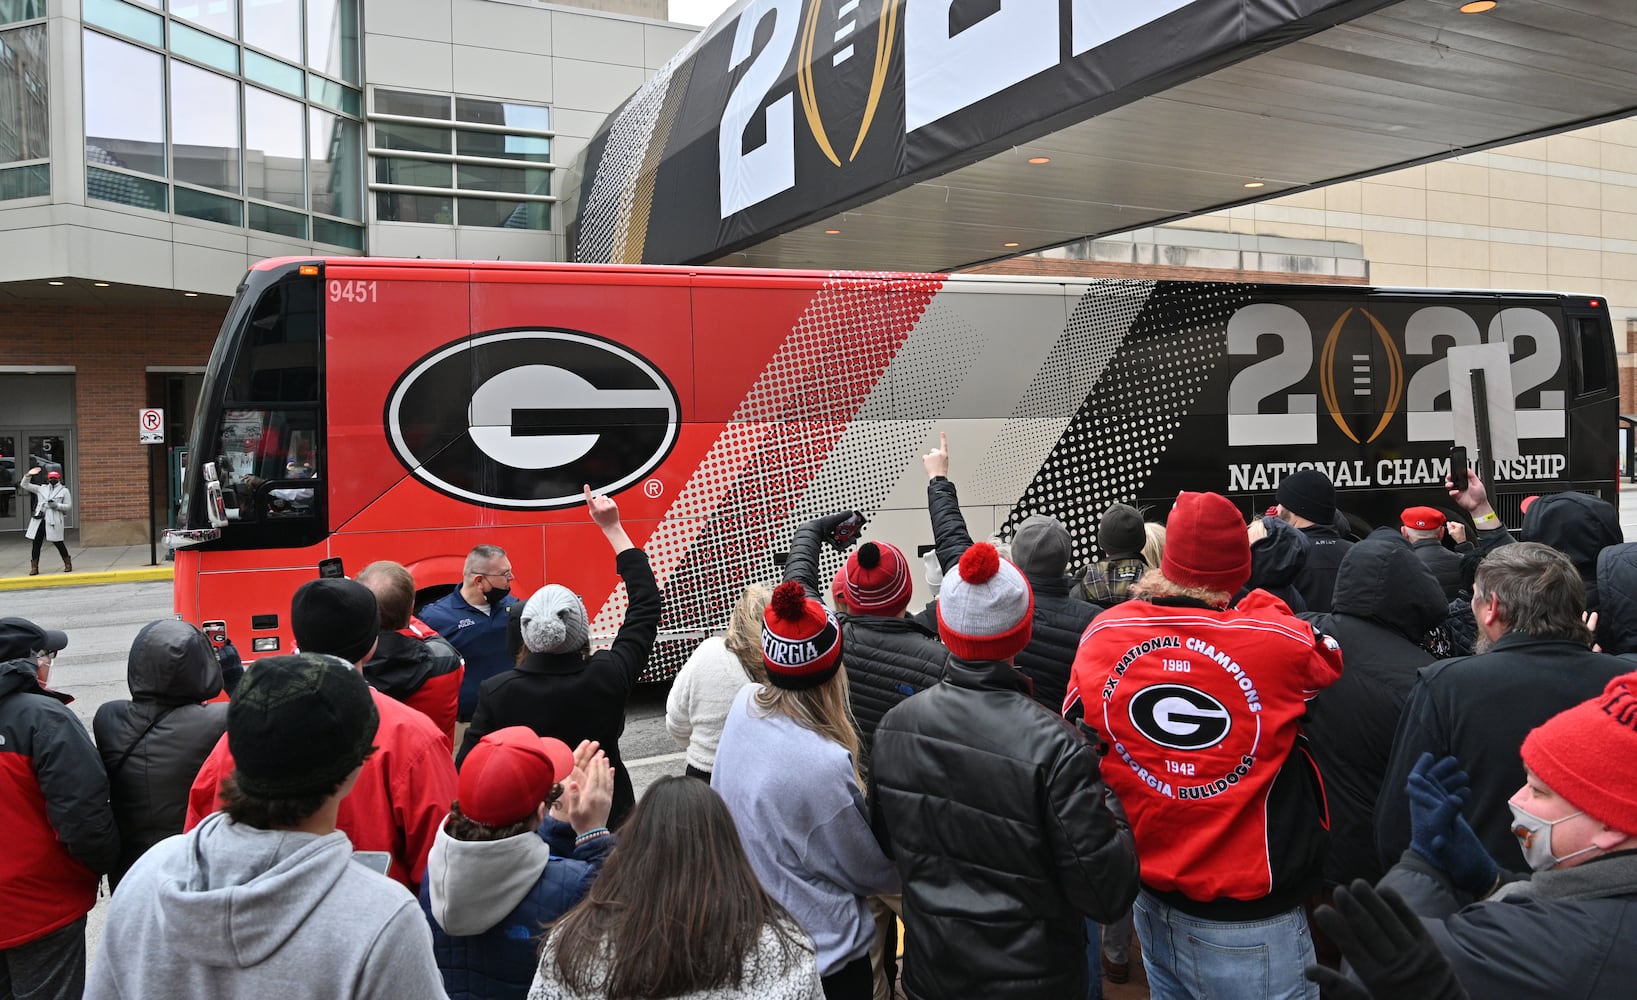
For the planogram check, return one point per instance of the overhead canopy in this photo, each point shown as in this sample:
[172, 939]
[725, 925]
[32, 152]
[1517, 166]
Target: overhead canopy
[897, 134]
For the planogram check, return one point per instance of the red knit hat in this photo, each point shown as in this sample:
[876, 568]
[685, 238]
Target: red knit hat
[1588, 754]
[801, 643]
[509, 773]
[985, 607]
[878, 581]
[1205, 543]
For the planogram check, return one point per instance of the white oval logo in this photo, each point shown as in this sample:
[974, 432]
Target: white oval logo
[520, 419]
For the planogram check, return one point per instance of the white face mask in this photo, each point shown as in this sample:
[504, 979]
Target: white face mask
[1535, 835]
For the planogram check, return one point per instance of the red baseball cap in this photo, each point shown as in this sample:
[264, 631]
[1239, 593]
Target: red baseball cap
[1422, 518]
[1528, 501]
[509, 773]
[53, 474]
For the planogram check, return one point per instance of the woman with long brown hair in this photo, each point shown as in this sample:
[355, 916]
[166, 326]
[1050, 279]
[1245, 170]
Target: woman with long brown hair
[704, 688]
[788, 768]
[677, 913]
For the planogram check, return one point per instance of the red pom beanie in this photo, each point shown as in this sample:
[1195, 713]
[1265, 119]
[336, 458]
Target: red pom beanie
[985, 607]
[1205, 544]
[1588, 754]
[801, 643]
[878, 580]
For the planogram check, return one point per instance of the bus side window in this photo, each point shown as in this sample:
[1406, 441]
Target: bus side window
[1596, 366]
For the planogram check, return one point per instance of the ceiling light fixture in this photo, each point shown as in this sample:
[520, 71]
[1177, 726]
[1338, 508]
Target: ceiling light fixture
[1009, 244]
[1253, 185]
[1038, 160]
[1479, 6]
[190, 295]
[832, 232]
[100, 284]
[56, 283]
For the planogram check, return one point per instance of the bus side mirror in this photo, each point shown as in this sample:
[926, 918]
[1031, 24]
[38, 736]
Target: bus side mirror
[215, 507]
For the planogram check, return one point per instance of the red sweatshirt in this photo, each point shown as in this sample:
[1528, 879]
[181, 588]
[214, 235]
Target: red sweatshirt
[401, 797]
[1200, 709]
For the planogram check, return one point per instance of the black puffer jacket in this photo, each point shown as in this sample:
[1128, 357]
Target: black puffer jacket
[403, 664]
[1386, 600]
[1317, 578]
[1275, 561]
[573, 698]
[153, 744]
[1002, 865]
[887, 659]
[1617, 585]
[1578, 525]
[1059, 618]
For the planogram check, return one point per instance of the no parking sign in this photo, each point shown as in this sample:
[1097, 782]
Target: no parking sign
[150, 426]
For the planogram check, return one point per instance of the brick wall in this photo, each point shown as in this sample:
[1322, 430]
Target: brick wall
[110, 349]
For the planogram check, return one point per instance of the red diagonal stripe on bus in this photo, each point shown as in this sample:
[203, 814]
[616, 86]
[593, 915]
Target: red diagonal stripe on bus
[789, 422]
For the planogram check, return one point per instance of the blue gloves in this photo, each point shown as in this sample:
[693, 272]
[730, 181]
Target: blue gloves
[1438, 831]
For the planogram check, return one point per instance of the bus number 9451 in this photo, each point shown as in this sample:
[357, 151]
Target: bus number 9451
[352, 291]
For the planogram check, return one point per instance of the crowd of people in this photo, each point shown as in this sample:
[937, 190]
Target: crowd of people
[1284, 758]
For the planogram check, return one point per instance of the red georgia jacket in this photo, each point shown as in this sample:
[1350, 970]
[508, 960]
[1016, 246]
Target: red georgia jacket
[401, 797]
[1200, 709]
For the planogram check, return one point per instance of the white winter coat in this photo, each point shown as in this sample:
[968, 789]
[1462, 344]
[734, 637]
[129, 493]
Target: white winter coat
[55, 500]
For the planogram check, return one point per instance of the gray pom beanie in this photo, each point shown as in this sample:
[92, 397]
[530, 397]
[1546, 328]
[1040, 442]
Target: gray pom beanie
[554, 621]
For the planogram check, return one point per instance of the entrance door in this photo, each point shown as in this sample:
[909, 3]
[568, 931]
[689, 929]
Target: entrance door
[48, 450]
[13, 506]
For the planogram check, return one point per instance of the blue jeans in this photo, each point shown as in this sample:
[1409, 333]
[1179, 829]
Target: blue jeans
[1094, 960]
[1188, 958]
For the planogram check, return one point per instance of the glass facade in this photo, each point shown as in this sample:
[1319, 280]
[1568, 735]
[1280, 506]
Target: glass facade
[25, 109]
[237, 112]
[461, 161]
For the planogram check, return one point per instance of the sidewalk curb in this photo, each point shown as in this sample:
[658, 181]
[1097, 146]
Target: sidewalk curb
[87, 579]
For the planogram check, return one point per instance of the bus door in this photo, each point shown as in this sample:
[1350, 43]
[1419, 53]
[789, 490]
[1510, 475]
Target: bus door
[1593, 390]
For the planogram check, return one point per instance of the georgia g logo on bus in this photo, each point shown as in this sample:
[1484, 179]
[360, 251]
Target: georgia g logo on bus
[521, 418]
[1179, 717]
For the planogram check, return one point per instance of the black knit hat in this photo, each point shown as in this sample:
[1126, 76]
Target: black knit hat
[1121, 533]
[336, 616]
[298, 725]
[1308, 493]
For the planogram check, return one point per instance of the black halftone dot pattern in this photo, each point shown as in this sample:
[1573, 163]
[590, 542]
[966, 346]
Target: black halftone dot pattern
[758, 480]
[1096, 326]
[1114, 443]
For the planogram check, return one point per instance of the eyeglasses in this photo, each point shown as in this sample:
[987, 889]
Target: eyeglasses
[48, 655]
[507, 576]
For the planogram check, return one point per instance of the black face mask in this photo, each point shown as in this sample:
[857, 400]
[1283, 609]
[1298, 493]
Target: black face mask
[495, 595]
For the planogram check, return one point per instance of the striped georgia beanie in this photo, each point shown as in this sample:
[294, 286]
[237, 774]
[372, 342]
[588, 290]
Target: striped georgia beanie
[985, 607]
[801, 643]
[877, 580]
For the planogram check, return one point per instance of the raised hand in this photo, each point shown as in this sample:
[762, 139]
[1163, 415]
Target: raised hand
[1387, 947]
[604, 511]
[936, 461]
[591, 794]
[1474, 499]
[1439, 833]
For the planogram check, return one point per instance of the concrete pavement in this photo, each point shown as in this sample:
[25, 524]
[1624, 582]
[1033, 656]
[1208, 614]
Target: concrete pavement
[94, 565]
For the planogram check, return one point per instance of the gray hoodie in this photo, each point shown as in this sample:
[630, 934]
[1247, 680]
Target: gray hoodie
[229, 911]
[474, 885]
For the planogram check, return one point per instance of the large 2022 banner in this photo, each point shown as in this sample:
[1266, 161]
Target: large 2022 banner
[787, 111]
